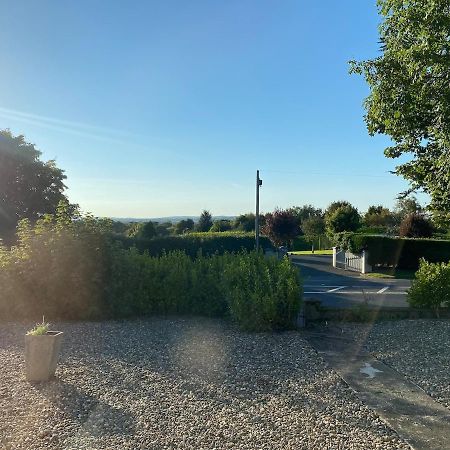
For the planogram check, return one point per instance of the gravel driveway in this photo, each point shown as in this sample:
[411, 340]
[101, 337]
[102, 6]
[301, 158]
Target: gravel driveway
[419, 349]
[181, 383]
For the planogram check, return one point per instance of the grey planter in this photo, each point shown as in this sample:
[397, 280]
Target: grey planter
[41, 355]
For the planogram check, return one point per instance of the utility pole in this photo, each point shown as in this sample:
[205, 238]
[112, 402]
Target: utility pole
[258, 185]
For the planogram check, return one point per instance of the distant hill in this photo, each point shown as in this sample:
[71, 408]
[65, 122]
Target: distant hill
[172, 219]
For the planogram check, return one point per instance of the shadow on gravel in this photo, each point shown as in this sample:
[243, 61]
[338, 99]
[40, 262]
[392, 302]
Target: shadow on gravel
[94, 416]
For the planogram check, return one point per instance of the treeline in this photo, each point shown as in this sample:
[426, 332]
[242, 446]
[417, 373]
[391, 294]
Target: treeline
[148, 230]
[311, 224]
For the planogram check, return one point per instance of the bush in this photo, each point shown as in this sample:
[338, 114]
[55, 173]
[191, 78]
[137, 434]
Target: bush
[401, 253]
[431, 288]
[193, 243]
[73, 270]
[262, 294]
[416, 226]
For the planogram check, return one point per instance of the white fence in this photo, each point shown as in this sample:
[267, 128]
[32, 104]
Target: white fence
[349, 261]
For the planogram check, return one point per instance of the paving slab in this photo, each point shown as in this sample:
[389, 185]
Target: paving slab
[414, 415]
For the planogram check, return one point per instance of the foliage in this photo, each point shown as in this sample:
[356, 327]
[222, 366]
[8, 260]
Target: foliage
[313, 227]
[204, 222]
[184, 226]
[430, 289]
[319, 242]
[134, 229]
[148, 230]
[281, 227]
[343, 218]
[193, 243]
[246, 222]
[40, 329]
[221, 225]
[305, 212]
[57, 265]
[407, 206]
[72, 270]
[163, 229]
[400, 253]
[332, 207]
[29, 187]
[410, 92]
[416, 226]
[262, 293]
[379, 216]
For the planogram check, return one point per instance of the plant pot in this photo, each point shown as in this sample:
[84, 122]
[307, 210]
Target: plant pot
[41, 355]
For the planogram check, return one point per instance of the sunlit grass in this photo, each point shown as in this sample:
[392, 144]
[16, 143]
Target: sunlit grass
[309, 252]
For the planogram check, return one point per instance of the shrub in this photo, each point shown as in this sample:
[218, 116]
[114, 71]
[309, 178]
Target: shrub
[401, 253]
[431, 288]
[416, 226]
[73, 270]
[262, 294]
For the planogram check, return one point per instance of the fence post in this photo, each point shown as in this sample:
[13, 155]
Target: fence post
[334, 256]
[365, 265]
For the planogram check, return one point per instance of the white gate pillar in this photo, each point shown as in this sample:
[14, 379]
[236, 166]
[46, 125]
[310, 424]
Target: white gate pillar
[365, 266]
[334, 256]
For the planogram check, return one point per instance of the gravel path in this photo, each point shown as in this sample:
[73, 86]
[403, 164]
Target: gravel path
[181, 383]
[419, 349]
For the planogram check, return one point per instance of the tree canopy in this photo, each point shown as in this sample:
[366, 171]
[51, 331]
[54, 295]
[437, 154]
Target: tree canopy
[343, 218]
[281, 227]
[205, 222]
[409, 97]
[29, 187]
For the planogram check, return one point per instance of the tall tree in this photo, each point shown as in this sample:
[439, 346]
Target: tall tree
[245, 222]
[379, 216]
[343, 218]
[205, 221]
[281, 227]
[29, 187]
[305, 212]
[407, 206]
[313, 228]
[410, 93]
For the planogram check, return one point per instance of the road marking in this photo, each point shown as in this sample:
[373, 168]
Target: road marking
[383, 290]
[357, 292]
[336, 289]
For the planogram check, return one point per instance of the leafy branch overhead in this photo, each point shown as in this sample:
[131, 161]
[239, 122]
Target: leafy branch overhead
[409, 97]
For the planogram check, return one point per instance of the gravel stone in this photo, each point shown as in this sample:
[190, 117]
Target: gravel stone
[181, 383]
[419, 349]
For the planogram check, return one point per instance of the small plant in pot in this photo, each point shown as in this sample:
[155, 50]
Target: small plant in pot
[42, 348]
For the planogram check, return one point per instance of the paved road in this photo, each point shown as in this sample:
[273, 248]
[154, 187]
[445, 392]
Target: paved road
[340, 288]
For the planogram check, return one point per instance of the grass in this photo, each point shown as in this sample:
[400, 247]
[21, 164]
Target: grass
[391, 273]
[309, 252]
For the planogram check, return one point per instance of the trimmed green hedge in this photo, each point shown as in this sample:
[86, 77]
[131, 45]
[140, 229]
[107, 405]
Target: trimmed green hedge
[67, 269]
[192, 243]
[401, 253]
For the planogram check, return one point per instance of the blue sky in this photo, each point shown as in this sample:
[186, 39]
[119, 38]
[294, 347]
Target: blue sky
[158, 108]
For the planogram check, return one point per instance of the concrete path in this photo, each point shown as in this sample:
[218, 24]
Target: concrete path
[417, 418]
[337, 288]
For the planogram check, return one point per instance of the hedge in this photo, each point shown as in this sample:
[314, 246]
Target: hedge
[402, 253]
[193, 243]
[73, 270]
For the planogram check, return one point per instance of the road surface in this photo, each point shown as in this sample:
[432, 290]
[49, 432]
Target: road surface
[340, 288]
